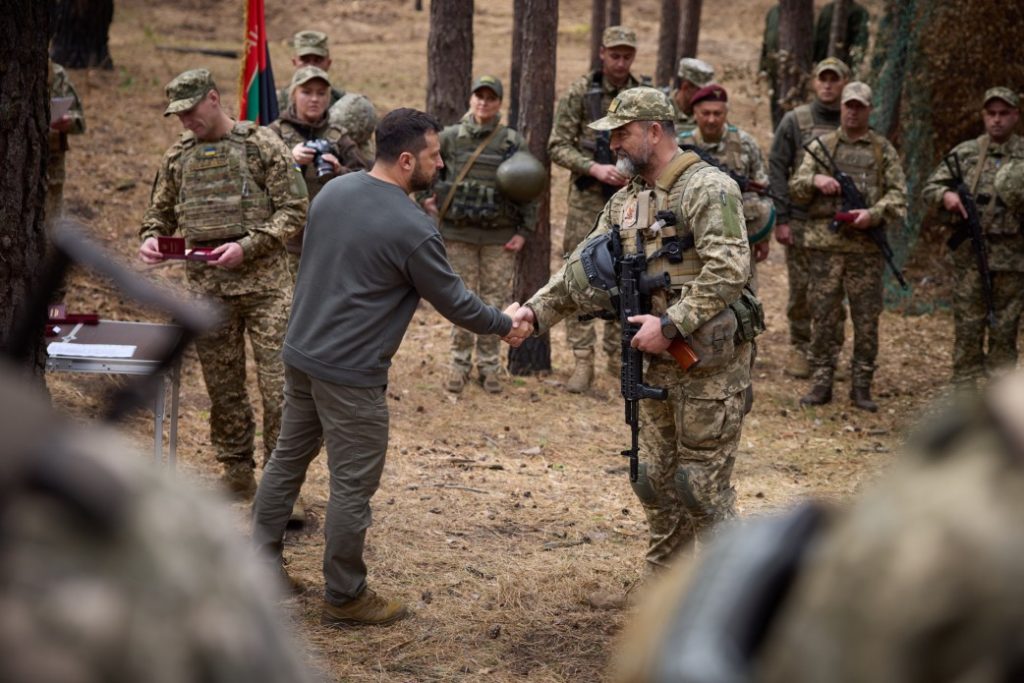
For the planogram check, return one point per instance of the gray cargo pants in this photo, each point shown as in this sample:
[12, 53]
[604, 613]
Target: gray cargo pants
[353, 421]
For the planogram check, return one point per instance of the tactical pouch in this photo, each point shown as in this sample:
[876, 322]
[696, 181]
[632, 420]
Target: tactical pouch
[714, 342]
[749, 316]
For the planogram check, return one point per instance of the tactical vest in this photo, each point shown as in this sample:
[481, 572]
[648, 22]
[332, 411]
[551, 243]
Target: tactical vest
[980, 173]
[477, 201]
[733, 157]
[218, 198]
[292, 135]
[808, 131]
[863, 163]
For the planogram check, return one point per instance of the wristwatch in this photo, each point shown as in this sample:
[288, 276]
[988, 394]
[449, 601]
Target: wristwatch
[668, 328]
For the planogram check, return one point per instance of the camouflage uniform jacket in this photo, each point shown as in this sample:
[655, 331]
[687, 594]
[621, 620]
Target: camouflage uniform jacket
[684, 122]
[570, 136]
[874, 165]
[60, 86]
[1002, 226]
[708, 208]
[458, 142]
[271, 166]
[284, 98]
[797, 128]
[293, 131]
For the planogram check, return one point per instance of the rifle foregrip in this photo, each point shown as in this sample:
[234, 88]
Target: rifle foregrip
[683, 353]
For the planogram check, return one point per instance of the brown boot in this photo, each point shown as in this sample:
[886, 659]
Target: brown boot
[239, 481]
[368, 609]
[819, 395]
[490, 382]
[860, 397]
[797, 365]
[456, 381]
[582, 374]
[290, 586]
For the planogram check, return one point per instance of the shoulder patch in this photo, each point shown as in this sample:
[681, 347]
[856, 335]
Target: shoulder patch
[732, 214]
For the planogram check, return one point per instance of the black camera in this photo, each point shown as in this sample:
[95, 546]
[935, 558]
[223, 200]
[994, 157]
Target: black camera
[321, 147]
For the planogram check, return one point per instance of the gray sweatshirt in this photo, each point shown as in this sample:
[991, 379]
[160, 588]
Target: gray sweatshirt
[368, 255]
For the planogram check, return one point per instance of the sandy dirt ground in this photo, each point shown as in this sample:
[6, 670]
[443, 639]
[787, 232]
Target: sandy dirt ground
[499, 519]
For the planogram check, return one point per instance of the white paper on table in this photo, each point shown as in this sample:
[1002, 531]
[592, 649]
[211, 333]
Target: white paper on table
[90, 350]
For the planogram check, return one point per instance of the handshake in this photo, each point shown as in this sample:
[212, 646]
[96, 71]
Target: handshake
[522, 324]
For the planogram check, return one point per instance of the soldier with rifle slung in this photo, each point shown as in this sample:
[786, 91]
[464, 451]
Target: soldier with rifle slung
[670, 254]
[844, 257]
[587, 155]
[980, 187]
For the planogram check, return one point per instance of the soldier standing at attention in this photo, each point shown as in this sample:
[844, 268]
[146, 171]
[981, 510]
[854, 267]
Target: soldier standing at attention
[585, 152]
[306, 121]
[738, 151]
[310, 50]
[687, 442]
[847, 261]
[482, 229]
[71, 122]
[799, 127]
[234, 187]
[693, 75]
[993, 169]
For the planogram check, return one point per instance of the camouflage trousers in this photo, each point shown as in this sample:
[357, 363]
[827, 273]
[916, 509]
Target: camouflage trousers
[798, 309]
[859, 278]
[584, 208]
[486, 269]
[264, 315]
[687, 449]
[970, 361]
[293, 265]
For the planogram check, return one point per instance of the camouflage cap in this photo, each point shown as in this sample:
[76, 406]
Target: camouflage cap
[491, 82]
[857, 91]
[310, 43]
[696, 71]
[305, 74]
[187, 90]
[832, 64]
[635, 104]
[1000, 93]
[615, 36]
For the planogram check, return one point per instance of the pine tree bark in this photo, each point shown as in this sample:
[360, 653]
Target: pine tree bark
[449, 59]
[536, 114]
[597, 25]
[668, 42]
[82, 28]
[614, 12]
[689, 28]
[518, 29]
[796, 50]
[837, 46]
[24, 151]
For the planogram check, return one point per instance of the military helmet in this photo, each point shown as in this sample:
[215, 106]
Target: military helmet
[1009, 184]
[521, 177]
[355, 113]
[759, 215]
[590, 275]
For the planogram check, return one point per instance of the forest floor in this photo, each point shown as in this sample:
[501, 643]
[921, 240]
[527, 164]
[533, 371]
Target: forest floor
[499, 517]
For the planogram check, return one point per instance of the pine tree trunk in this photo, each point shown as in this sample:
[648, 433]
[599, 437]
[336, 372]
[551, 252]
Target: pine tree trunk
[81, 31]
[689, 28]
[449, 59]
[597, 25]
[837, 46]
[24, 150]
[614, 12]
[536, 114]
[518, 29]
[668, 42]
[796, 49]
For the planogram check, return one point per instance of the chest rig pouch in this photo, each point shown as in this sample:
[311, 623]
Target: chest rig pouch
[219, 199]
[863, 163]
[477, 200]
[996, 217]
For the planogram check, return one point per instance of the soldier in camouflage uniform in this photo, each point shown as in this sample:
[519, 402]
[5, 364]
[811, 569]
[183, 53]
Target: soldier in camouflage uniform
[306, 119]
[482, 229]
[848, 261]
[993, 165]
[799, 127]
[71, 123]
[310, 49]
[693, 74]
[738, 151]
[688, 442]
[233, 187]
[572, 145]
[356, 114]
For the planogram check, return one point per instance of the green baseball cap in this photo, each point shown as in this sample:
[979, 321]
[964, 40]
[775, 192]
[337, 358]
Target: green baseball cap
[615, 36]
[306, 74]
[187, 90]
[857, 91]
[696, 71]
[310, 43]
[635, 104]
[491, 82]
[832, 64]
[1000, 93]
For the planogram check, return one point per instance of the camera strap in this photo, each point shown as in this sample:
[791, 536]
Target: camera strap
[463, 172]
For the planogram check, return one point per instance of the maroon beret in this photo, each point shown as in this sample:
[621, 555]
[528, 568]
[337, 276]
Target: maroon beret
[709, 93]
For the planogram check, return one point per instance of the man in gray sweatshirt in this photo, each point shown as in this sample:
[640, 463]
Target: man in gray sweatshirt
[369, 255]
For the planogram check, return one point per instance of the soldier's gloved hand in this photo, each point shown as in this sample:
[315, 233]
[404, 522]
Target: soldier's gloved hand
[826, 184]
[149, 251]
[951, 200]
[228, 255]
[649, 338]
[607, 174]
[783, 235]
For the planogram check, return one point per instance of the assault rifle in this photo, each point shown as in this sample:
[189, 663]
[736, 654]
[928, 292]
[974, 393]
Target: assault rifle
[853, 199]
[746, 183]
[970, 227]
[635, 288]
[602, 146]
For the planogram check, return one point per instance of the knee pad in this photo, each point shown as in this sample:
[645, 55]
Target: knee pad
[649, 496]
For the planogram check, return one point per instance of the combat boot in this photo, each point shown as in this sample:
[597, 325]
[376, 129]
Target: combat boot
[289, 585]
[369, 609]
[582, 374]
[239, 481]
[456, 381]
[819, 395]
[297, 518]
[797, 365]
[490, 382]
[860, 397]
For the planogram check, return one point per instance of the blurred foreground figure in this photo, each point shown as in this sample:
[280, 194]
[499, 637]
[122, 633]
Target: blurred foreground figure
[921, 579]
[110, 572]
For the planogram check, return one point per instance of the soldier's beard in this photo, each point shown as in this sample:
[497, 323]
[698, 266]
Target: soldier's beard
[630, 165]
[421, 179]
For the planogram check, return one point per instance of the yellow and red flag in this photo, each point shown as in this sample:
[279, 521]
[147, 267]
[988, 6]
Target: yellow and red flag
[257, 92]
